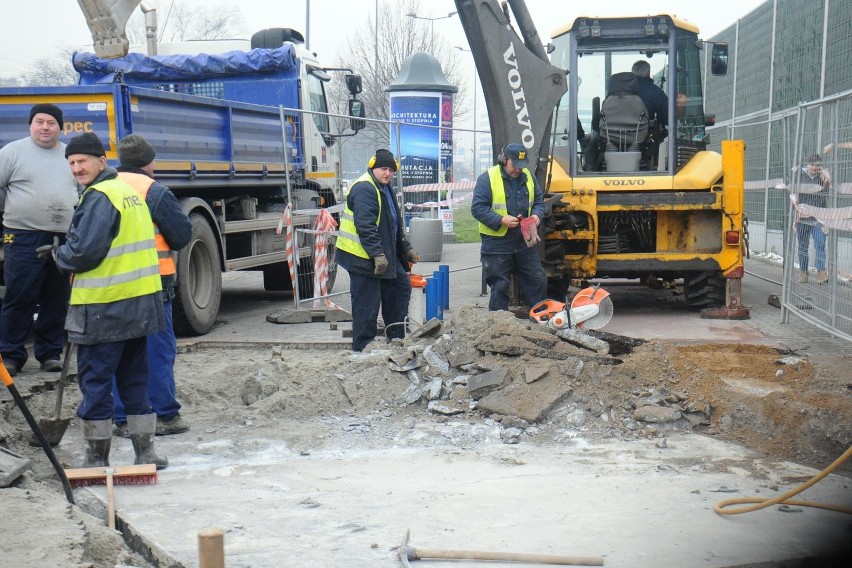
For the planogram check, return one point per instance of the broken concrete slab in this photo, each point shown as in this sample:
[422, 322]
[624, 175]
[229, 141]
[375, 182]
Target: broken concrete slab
[532, 402]
[584, 340]
[481, 385]
[12, 466]
[292, 315]
[446, 407]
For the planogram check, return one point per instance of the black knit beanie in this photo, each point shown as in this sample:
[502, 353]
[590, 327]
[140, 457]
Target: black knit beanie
[384, 159]
[87, 143]
[47, 108]
[135, 152]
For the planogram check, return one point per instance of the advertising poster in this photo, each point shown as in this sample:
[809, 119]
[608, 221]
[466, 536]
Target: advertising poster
[445, 212]
[420, 146]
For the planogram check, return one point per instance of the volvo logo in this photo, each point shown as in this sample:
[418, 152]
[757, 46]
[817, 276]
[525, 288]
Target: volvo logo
[514, 79]
[624, 182]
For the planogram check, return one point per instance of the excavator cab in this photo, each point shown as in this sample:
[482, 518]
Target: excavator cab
[599, 57]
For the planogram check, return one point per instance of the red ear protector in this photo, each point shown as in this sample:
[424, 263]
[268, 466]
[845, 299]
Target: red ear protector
[501, 157]
[372, 163]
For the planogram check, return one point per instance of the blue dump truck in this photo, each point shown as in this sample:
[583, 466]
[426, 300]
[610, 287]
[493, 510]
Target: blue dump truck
[238, 136]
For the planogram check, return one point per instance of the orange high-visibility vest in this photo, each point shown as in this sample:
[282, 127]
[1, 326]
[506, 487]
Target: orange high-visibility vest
[141, 183]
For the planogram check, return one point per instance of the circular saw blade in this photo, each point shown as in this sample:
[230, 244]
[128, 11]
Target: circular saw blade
[603, 317]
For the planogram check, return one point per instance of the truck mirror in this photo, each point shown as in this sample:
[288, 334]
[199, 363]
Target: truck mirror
[356, 112]
[353, 84]
[719, 59]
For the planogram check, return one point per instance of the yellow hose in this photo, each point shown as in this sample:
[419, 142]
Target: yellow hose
[783, 499]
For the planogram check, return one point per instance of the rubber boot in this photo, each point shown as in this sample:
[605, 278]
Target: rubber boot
[141, 428]
[98, 435]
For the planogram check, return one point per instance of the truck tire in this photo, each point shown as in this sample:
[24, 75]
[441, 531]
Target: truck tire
[199, 288]
[704, 290]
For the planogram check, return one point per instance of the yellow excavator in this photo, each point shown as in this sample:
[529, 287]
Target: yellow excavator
[632, 190]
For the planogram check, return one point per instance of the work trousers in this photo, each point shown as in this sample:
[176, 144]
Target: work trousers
[96, 366]
[525, 264]
[368, 293]
[33, 286]
[803, 234]
[162, 352]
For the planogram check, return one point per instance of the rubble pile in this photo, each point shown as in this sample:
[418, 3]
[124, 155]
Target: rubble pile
[529, 379]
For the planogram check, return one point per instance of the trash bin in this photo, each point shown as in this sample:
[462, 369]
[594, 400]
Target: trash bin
[426, 236]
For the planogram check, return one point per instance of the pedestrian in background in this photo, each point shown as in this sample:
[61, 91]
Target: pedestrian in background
[814, 182]
[115, 301]
[372, 247]
[37, 199]
[172, 231]
[505, 196]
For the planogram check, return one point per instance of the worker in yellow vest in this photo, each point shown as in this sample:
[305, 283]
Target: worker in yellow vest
[372, 247]
[172, 232]
[115, 301]
[506, 197]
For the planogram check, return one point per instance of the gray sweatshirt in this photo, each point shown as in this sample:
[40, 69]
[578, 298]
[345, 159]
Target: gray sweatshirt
[37, 190]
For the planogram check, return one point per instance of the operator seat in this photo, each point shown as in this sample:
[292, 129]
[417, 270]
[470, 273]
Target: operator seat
[624, 124]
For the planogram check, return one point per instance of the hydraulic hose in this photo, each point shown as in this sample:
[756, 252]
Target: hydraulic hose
[784, 499]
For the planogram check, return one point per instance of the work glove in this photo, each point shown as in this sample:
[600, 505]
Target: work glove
[413, 256]
[48, 250]
[381, 264]
[529, 230]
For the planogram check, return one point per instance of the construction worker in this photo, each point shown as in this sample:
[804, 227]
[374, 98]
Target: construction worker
[37, 198]
[372, 247]
[115, 301]
[505, 196]
[172, 231]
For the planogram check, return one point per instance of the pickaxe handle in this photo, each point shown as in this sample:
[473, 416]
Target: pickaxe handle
[425, 553]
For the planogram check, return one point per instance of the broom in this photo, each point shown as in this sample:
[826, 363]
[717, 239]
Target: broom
[144, 474]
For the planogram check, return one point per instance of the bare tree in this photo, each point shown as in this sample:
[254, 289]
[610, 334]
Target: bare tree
[177, 21]
[55, 72]
[379, 59]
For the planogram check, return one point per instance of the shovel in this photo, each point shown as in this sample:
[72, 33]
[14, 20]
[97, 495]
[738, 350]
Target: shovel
[54, 428]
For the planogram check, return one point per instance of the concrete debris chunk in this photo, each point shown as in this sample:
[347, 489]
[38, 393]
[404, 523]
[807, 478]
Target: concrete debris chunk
[446, 407]
[533, 373]
[511, 435]
[481, 385]
[571, 367]
[656, 414]
[790, 360]
[435, 388]
[459, 356]
[431, 328]
[584, 340]
[435, 361]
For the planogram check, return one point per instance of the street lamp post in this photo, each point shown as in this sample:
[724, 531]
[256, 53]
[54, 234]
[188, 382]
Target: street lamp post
[431, 20]
[475, 133]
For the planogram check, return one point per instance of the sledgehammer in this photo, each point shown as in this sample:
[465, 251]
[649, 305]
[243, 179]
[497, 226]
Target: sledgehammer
[406, 553]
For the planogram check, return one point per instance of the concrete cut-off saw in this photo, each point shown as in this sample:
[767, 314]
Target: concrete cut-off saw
[590, 308]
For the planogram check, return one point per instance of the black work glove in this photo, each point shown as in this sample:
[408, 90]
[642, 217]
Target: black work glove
[381, 264]
[413, 256]
[48, 250]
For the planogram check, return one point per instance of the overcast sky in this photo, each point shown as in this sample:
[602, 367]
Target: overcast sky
[36, 29]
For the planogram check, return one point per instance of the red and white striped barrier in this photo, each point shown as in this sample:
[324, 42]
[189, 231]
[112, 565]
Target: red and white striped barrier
[287, 221]
[323, 227]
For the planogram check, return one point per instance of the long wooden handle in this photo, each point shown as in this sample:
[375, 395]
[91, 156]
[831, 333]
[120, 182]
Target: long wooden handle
[110, 499]
[423, 553]
[63, 376]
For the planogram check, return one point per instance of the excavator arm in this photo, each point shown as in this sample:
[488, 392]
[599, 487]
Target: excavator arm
[520, 86]
[106, 20]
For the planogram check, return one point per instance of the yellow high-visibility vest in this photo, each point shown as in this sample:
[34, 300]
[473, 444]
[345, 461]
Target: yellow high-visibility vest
[498, 199]
[347, 237]
[130, 268]
[142, 183]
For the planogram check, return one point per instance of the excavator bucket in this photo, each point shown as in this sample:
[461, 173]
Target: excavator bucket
[106, 20]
